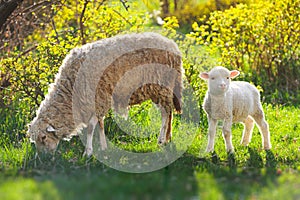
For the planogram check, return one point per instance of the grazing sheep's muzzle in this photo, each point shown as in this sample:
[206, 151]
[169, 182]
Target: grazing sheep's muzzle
[46, 143]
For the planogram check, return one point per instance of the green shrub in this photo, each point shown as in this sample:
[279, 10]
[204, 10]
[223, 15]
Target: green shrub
[28, 74]
[25, 75]
[188, 11]
[262, 40]
[196, 59]
[28, 79]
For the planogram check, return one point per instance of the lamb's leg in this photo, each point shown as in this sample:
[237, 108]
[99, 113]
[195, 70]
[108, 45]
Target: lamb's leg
[212, 125]
[103, 143]
[247, 133]
[89, 138]
[165, 130]
[264, 129]
[227, 135]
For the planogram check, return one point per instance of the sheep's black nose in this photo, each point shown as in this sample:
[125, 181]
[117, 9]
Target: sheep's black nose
[41, 138]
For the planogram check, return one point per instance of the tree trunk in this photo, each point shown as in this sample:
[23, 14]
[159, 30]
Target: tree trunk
[165, 6]
[175, 5]
[6, 8]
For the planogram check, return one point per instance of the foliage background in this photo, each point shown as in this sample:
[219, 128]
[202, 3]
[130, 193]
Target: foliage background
[260, 38]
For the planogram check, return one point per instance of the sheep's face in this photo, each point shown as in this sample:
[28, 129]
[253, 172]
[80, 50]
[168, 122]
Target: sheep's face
[43, 135]
[219, 79]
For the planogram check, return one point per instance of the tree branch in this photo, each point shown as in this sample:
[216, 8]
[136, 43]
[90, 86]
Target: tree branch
[83, 41]
[6, 9]
[124, 4]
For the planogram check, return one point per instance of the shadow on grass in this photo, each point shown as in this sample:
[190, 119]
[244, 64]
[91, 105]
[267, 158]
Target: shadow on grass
[229, 180]
[90, 179]
[72, 177]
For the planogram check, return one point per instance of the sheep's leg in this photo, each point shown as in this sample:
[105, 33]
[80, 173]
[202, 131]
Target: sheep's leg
[165, 130]
[264, 129]
[102, 138]
[89, 138]
[212, 125]
[227, 135]
[247, 133]
[169, 129]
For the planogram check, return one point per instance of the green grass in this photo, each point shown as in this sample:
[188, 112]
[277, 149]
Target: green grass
[251, 173]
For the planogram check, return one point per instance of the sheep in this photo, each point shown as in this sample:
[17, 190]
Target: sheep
[235, 101]
[115, 72]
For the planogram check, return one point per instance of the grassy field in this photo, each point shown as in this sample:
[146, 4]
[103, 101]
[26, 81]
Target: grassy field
[251, 173]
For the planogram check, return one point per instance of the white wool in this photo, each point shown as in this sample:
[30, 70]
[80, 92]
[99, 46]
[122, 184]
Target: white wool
[235, 101]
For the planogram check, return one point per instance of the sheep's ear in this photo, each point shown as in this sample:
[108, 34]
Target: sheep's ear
[234, 73]
[204, 75]
[50, 129]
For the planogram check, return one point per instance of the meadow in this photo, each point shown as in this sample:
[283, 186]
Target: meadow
[259, 38]
[251, 173]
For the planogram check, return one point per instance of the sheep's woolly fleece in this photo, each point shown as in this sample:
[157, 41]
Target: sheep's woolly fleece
[91, 75]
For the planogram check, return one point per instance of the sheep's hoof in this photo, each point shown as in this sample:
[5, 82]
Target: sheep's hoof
[37, 158]
[102, 153]
[88, 152]
[103, 145]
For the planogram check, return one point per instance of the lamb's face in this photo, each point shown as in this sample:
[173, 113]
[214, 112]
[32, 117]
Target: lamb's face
[43, 135]
[219, 79]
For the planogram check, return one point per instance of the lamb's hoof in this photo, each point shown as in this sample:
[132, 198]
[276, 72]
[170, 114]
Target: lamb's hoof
[231, 160]
[88, 152]
[209, 150]
[215, 158]
[161, 142]
[230, 151]
[267, 147]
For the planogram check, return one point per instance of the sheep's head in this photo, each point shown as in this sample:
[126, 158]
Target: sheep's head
[43, 135]
[219, 79]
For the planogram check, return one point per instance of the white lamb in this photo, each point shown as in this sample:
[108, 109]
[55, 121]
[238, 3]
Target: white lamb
[145, 66]
[235, 101]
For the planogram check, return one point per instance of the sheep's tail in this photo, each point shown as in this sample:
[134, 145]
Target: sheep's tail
[177, 96]
[177, 104]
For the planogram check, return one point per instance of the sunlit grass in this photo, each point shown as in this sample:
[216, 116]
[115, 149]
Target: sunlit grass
[251, 174]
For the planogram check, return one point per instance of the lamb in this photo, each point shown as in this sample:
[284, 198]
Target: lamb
[115, 72]
[235, 101]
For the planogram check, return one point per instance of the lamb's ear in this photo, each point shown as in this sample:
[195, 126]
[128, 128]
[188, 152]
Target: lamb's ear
[204, 75]
[50, 129]
[234, 73]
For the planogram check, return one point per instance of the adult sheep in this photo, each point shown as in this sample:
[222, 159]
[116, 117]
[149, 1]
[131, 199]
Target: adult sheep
[119, 71]
[235, 101]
